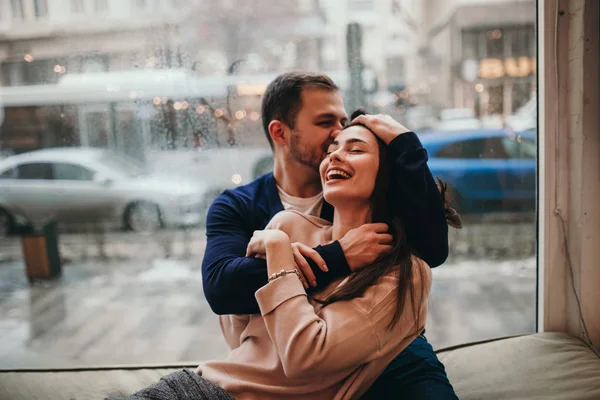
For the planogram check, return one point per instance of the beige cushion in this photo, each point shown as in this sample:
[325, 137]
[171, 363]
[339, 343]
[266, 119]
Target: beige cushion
[539, 366]
[80, 384]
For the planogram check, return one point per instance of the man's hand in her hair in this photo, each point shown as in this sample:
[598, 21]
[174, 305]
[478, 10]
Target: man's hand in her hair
[363, 245]
[384, 126]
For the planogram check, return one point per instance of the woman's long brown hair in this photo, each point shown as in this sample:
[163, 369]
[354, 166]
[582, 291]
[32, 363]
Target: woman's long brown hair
[398, 259]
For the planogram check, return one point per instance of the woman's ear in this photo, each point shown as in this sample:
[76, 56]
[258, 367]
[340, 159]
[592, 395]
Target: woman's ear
[277, 131]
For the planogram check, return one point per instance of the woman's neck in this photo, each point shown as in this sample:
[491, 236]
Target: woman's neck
[348, 217]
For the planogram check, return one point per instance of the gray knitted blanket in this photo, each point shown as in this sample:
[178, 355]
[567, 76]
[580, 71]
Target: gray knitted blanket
[181, 385]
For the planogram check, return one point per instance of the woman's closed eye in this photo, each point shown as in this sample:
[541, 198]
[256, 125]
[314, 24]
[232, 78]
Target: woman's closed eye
[354, 151]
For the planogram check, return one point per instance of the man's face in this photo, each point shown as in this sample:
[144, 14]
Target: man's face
[319, 120]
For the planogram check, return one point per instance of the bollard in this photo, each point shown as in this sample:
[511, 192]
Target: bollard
[41, 254]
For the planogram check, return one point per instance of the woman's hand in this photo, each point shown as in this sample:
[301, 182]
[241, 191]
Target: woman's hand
[301, 251]
[283, 252]
[261, 239]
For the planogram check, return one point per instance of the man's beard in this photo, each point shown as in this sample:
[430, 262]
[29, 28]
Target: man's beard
[306, 156]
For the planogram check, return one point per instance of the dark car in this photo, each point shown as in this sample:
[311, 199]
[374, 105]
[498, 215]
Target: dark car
[487, 170]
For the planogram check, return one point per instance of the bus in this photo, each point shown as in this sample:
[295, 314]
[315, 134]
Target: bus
[136, 111]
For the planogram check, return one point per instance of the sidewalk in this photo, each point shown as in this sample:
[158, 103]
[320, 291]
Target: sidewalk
[154, 311]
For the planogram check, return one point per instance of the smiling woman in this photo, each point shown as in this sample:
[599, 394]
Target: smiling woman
[350, 169]
[356, 174]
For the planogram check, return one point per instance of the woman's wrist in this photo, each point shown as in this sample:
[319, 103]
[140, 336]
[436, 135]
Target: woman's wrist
[278, 249]
[276, 240]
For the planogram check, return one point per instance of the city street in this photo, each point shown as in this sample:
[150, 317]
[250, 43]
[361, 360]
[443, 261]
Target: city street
[146, 308]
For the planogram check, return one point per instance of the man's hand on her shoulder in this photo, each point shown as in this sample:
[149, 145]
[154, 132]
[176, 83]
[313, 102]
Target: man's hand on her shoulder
[384, 126]
[364, 244]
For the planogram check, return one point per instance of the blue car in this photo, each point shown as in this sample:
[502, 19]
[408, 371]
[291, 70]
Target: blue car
[487, 170]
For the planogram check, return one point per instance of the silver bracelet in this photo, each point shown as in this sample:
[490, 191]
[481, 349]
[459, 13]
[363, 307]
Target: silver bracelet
[283, 272]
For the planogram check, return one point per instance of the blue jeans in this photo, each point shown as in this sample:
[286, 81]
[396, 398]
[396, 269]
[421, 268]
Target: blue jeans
[415, 374]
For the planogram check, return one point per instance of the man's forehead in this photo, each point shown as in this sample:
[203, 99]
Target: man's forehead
[323, 102]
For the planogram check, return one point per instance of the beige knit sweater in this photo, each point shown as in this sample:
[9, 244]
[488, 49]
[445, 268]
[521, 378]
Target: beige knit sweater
[298, 349]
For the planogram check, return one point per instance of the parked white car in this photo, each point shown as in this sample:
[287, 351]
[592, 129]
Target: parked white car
[219, 168]
[83, 185]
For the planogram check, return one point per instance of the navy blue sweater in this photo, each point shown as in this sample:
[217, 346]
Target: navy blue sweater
[230, 279]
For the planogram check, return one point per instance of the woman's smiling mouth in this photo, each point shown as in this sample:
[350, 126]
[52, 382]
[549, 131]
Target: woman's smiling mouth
[336, 173]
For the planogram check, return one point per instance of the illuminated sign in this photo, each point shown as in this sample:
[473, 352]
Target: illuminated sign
[493, 68]
[250, 89]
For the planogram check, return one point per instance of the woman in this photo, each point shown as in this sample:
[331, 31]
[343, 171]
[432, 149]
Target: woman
[334, 343]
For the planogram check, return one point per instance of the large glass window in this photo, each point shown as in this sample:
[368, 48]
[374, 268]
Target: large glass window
[146, 117]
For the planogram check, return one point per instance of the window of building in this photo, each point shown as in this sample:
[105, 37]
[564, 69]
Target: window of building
[40, 8]
[18, 73]
[395, 71]
[470, 45]
[100, 6]
[494, 41]
[17, 9]
[522, 92]
[522, 41]
[141, 4]
[77, 6]
[356, 5]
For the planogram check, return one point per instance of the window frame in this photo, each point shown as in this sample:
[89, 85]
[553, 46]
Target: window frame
[568, 103]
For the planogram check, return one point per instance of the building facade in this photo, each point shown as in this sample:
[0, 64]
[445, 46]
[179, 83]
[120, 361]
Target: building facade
[87, 42]
[390, 31]
[479, 55]
[40, 40]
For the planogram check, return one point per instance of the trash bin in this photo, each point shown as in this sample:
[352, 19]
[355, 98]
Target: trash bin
[40, 252]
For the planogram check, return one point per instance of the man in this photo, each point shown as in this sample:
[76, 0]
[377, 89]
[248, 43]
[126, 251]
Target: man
[301, 115]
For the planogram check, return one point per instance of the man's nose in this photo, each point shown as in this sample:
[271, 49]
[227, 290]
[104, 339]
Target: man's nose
[336, 131]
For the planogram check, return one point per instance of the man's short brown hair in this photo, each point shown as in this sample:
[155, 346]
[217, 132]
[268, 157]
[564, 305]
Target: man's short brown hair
[282, 99]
